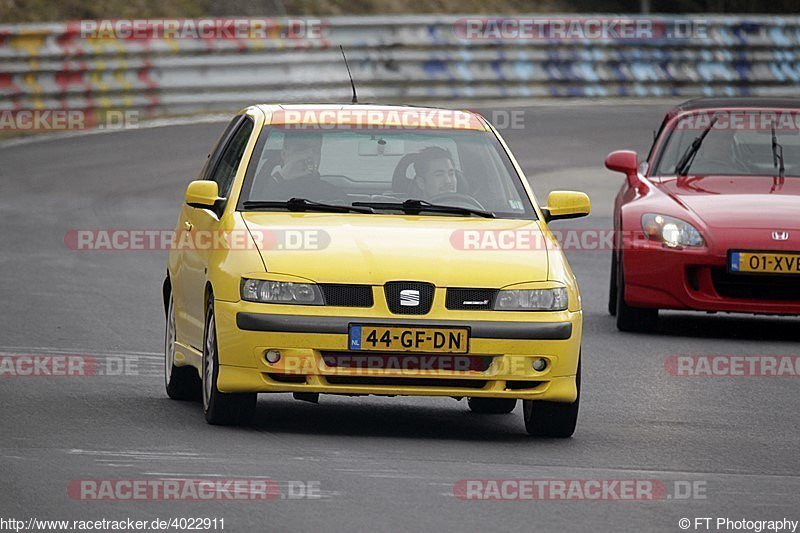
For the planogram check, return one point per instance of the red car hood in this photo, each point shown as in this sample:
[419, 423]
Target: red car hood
[757, 202]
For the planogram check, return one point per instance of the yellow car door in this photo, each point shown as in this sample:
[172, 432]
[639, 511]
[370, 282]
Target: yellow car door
[202, 225]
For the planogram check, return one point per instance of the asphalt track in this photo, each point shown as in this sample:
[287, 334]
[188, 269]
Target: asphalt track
[381, 464]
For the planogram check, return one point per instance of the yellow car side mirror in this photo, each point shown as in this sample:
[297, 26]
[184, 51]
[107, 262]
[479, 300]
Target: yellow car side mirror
[202, 194]
[566, 204]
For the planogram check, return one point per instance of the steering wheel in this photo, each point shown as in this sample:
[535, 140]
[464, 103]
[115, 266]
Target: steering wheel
[451, 197]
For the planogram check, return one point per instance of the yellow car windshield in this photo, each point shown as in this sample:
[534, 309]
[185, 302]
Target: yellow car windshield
[347, 164]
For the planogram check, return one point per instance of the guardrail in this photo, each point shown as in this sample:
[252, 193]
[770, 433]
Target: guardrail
[406, 59]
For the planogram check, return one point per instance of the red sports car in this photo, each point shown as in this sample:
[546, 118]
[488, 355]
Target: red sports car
[710, 220]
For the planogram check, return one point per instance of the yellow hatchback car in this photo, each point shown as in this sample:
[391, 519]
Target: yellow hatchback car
[364, 249]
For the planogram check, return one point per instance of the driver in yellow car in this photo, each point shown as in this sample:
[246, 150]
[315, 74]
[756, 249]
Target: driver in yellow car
[300, 155]
[435, 172]
[298, 175]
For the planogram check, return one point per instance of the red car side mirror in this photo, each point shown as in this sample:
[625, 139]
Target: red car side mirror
[627, 162]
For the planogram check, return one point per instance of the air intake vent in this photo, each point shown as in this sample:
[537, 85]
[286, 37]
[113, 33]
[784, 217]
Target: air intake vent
[470, 299]
[347, 295]
[407, 382]
[755, 286]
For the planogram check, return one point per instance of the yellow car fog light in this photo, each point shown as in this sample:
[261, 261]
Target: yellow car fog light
[539, 364]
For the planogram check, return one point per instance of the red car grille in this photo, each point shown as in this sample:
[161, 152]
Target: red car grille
[755, 286]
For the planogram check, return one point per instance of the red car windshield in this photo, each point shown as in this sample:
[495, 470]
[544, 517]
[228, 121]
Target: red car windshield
[739, 143]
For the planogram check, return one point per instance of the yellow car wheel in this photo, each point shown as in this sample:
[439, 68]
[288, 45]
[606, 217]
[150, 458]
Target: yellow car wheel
[182, 382]
[220, 408]
[552, 419]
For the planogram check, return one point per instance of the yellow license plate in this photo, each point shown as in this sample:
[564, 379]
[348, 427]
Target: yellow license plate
[408, 339]
[765, 262]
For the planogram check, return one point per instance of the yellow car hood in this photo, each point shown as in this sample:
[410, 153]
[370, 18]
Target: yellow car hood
[374, 249]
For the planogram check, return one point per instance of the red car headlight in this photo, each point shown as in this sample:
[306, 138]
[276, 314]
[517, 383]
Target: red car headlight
[671, 231]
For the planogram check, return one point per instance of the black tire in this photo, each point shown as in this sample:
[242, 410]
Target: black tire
[552, 419]
[181, 382]
[220, 408]
[612, 290]
[629, 318]
[492, 406]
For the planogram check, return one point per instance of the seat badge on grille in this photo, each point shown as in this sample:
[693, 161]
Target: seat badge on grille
[409, 298]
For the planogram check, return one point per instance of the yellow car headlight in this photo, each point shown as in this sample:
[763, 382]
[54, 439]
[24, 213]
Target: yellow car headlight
[281, 292]
[556, 299]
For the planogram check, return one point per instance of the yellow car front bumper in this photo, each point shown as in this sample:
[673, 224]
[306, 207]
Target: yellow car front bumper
[506, 344]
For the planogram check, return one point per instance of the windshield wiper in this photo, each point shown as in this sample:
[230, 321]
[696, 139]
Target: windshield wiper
[302, 204]
[682, 168]
[415, 206]
[777, 153]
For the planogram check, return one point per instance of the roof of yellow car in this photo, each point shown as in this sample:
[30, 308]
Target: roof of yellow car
[373, 115]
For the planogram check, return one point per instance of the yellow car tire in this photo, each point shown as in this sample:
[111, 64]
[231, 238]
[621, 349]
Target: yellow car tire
[552, 419]
[221, 408]
[182, 382]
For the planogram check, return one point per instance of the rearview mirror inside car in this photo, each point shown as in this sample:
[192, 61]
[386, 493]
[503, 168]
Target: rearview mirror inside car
[202, 193]
[566, 204]
[380, 146]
